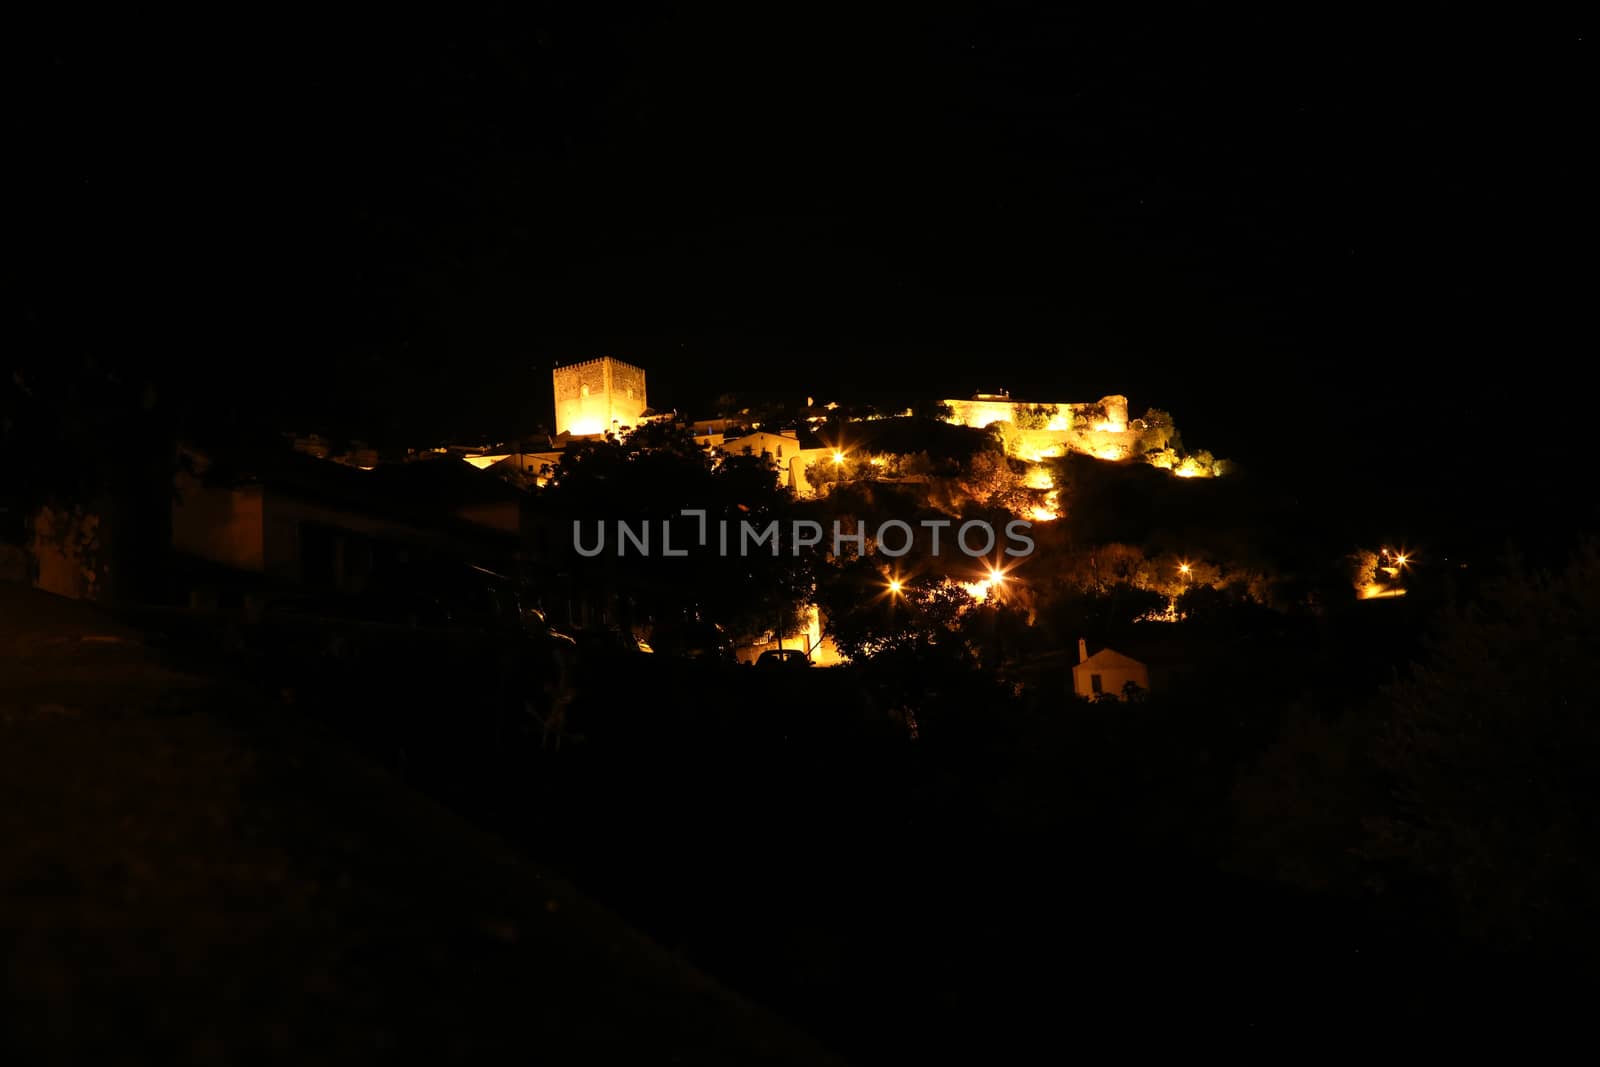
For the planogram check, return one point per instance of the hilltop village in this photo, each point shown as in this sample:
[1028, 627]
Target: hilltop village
[256, 524]
[607, 397]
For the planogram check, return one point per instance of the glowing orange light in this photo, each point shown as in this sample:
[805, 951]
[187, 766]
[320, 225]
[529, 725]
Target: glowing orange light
[1183, 568]
[838, 457]
[894, 586]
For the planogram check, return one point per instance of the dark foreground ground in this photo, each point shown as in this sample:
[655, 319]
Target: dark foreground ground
[187, 880]
[194, 872]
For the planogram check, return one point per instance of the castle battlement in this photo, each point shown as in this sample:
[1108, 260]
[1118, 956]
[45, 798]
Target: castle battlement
[598, 362]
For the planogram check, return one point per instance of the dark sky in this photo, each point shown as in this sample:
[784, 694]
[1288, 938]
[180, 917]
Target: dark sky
[1275, 223]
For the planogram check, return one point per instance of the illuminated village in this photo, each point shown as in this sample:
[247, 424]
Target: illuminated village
[758, 536]
[1123, 681]
[325, 518]
[818, 448]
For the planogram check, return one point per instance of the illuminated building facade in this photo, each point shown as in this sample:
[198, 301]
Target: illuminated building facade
[598, 396]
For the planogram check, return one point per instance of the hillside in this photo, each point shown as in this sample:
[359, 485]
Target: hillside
[192, 876]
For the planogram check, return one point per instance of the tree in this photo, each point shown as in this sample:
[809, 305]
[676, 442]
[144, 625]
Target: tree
[1363, 568]
[1207, 605]
[1158, 432]
[86, 439]
[1298, 809]
[988, 480]
[867, 616]
[1492, 744]
[647, 479]
[1085, 416]
[1107, 612]
[1034, 416]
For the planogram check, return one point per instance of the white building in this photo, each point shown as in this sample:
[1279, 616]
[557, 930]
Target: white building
[1106, 675]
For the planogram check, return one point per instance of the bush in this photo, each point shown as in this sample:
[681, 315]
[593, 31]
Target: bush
[1034, 416]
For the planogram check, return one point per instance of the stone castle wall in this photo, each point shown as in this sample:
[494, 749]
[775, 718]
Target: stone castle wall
[1035, 431]
[1108, 414]
[981, 413]
[598, 395]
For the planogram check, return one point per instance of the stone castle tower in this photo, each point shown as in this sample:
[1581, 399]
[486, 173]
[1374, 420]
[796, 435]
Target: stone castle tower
[597, 396]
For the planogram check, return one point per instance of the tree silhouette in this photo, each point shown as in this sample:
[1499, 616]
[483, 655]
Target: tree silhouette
[866, 616]
[1492, 744]
[648, 478]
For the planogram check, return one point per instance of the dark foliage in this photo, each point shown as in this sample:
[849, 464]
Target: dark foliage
[647, 480]
[1491, 744]
[941, 441]
[866, 616]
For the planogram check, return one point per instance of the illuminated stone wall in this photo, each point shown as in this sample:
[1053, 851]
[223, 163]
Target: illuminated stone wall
[1100, 429]
[1116, 408]
[627, 393]
[599, 395]
[1108, 414]
[980, 413]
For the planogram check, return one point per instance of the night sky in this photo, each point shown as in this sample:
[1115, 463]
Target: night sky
[1280, 226]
